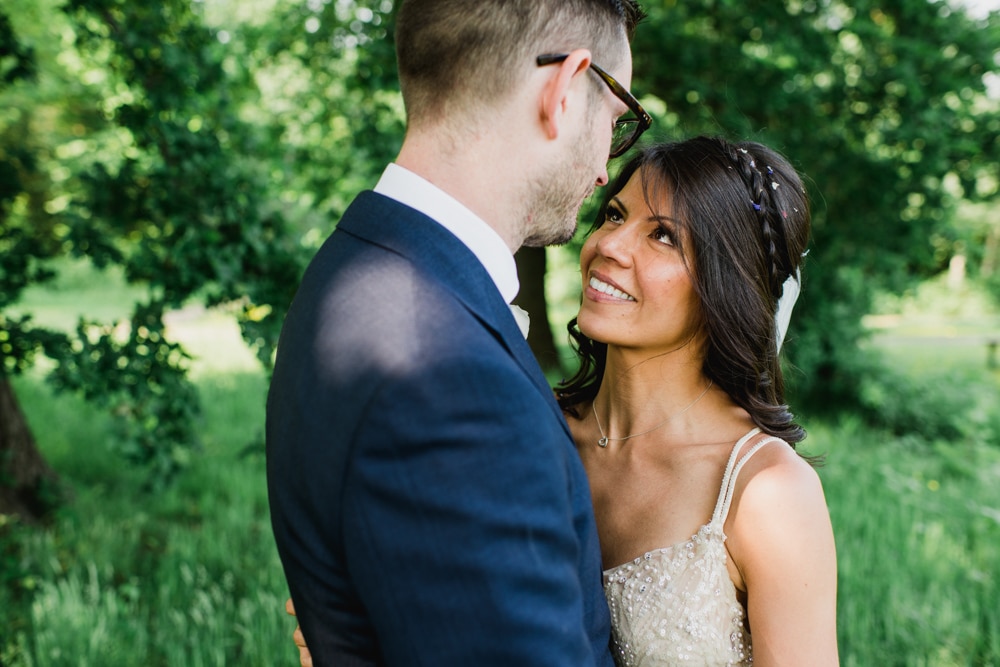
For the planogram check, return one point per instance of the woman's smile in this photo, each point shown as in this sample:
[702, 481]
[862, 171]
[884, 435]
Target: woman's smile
[605, 288]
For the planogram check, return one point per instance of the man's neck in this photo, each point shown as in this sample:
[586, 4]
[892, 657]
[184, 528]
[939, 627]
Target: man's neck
[470, 175]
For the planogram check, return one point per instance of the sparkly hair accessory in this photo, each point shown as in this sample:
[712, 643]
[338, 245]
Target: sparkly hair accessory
[770, 172]
[753, 164]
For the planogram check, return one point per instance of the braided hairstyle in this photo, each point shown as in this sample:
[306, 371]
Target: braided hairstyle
[746, 214]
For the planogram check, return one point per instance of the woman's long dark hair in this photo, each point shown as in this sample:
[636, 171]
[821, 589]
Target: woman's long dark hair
[747, 217]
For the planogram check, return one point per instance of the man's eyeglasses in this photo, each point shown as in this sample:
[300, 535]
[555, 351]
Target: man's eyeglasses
[627, 130]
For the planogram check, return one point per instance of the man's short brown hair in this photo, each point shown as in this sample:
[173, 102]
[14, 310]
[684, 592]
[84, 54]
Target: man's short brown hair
[466, 54]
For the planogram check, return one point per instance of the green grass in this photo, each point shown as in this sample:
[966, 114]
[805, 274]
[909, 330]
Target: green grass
[185, 576]
[189, 575]
[918, 542]
[936, 326]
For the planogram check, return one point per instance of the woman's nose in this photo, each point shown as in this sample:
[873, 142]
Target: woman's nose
[615, 244]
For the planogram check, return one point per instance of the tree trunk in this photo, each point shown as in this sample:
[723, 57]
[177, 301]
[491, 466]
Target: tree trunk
[27, 484]
[531, 273]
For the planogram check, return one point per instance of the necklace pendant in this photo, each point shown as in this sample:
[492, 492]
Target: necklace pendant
[603, 442]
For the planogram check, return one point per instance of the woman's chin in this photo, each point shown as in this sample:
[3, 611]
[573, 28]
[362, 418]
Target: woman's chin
[590, 326]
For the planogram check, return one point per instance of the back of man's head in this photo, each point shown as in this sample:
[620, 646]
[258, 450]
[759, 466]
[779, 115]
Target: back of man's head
[459, 56]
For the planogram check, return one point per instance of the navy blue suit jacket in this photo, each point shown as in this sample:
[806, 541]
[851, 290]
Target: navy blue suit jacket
[427, 501]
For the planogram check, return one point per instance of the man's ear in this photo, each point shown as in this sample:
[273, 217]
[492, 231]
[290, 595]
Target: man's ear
[556, 93]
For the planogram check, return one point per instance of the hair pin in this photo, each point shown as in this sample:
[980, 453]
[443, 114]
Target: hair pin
[756, 206]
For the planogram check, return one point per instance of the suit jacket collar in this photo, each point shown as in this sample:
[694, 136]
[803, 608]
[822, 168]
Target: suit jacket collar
[414, 191]
[422, 241]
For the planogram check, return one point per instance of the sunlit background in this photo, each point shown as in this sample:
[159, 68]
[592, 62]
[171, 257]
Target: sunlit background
[166, 170]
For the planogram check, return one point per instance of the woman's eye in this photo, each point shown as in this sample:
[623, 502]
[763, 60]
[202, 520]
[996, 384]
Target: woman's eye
[664, 235]
[613, 215]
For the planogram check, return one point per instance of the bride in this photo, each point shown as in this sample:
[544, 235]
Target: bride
[714, 532]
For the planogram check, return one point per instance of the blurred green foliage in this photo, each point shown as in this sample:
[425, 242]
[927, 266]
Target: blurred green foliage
[881, 105]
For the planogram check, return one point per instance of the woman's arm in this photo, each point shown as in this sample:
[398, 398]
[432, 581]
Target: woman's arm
[781, 541]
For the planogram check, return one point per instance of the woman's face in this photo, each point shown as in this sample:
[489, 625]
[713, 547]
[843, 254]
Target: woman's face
[638, 292]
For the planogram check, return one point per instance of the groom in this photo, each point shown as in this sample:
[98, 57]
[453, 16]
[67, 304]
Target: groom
[427, 502]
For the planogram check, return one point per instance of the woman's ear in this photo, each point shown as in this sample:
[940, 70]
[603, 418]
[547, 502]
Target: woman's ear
[557, 95]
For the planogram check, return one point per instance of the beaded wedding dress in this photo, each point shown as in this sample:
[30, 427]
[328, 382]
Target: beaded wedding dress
[678, 606]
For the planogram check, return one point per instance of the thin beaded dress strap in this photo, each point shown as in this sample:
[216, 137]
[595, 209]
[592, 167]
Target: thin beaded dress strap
[733, 471]
[729, 471]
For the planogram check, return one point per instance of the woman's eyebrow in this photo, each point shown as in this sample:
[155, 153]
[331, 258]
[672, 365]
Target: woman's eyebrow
[621, 207]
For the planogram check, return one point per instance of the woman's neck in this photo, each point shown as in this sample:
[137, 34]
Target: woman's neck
[642, 392]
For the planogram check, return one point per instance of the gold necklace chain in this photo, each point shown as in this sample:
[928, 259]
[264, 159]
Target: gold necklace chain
[603, 442]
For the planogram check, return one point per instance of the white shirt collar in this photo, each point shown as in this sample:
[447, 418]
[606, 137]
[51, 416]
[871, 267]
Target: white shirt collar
[408, 188]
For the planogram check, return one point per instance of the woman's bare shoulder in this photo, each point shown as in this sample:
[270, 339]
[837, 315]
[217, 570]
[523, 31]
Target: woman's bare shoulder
[778, 505]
